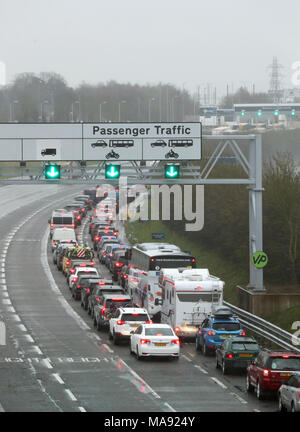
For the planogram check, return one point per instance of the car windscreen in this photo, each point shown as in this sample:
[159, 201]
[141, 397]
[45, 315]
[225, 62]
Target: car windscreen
[226, 326]
[240, 346]
[115, 303]
[86, 272]
[134, 317]
[197, 297]
[157, 331]
[60, 220]
[281, 363]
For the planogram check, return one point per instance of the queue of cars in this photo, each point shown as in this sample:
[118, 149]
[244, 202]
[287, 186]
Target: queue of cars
[112, 306]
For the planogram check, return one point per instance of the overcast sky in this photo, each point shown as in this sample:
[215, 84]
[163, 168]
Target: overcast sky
[187, 43]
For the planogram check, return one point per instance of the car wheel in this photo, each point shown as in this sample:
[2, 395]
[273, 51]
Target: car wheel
[281, 407]
[130, 348]
[198, 346]
[204, 350]
[95, 322]
[88, 311]
[115, 339]
[259, 393]
[249, 386]
[99, 325]
[137, 353]
[224, 368]
[293, 407]
[110, 336]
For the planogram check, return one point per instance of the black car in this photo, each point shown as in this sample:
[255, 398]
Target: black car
[97, 292]
[84, 199]
[88, 286]
[99, 143]
[159, 143]
[118, 260]
[78, 285]
[98, 235]
[123, 276]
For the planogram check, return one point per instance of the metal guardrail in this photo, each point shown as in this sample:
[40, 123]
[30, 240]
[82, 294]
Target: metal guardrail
[266, 330]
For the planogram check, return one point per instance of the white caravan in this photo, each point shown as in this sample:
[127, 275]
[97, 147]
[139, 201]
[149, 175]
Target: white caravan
[188, 296]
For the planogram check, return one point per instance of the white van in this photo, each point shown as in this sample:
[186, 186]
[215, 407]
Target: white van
[61, 219]
[63, 235]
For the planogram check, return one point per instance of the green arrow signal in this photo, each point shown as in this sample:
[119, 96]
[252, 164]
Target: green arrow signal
[112, 171]
[171, 171]
[52, 172]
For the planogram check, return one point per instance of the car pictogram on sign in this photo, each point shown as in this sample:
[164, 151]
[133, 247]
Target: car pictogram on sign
[99, 143]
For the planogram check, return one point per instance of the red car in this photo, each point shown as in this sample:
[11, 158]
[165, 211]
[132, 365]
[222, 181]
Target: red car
[270, 370]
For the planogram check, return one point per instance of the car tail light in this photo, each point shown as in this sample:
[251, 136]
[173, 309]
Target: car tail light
[230, 355]
[96, 239]
[72, 271]
[82, 209]
[82, 265]
[120, 322]
[285, 356]
[124, 276]
[68, 263]
[242, 333]
[78, 217]
[144, 341]
[118, 264]
[97, 299]
[52, 225]
[73, 225]
[152, 299]
[103, 310]
[299, 395]
[115, 233]
[193, 260]
[75, 279]
[152, 259]
[199, 332]
[266, 372]
[92, 263]
[177, 329]
[54, 242]
[101, 283]
[88, 291]
[111, 255]
[79, 286]
[211, 333]
[149, 322]
[175, 341]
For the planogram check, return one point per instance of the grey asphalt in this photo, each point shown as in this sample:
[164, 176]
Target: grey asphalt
[54, 359]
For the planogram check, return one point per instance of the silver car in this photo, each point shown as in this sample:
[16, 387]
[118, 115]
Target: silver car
[289, 394]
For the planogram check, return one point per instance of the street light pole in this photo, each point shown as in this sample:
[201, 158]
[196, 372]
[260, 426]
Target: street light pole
[100, 110]
[11, 110]
[76, 102]
[42, 106]
[173, 108]
[149, 108]
[122, 102]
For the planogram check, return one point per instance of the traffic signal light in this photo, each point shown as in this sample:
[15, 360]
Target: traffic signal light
[243, 113]
[293, 113]
[172, 171]
[259, 113]
[52, 172]
[112, 171]
[276, 113]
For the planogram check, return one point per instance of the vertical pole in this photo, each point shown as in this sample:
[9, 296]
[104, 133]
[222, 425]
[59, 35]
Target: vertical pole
[255, 212]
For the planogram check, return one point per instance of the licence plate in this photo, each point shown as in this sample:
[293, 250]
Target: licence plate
[285, 374]
[226, 336]
[245, 355]
[160, 344]
[134, 325]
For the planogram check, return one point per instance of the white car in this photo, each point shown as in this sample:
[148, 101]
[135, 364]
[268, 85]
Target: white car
[81, 271]
[124, 320]
[154, 340]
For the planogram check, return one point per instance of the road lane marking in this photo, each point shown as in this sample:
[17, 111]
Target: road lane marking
[70, 394]
[201, 369]
[239, 398]
[169, 406]
[58, 378]
[81, 409]
[1, 408]
[219, 383]
[185, 357]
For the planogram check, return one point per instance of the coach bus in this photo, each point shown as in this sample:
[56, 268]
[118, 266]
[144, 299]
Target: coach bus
[148, 259]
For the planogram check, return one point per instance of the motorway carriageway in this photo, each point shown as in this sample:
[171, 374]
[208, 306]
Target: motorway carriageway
[55, 360]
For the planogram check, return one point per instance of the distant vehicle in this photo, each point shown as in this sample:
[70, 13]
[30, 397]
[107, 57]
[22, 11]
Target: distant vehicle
[180, 143]
[112, 155]
[99, 143]
[171, 154]
[48, 152]
[121, 143]
[61, 219]
[125, 320]
[159, 143]
[289, 394]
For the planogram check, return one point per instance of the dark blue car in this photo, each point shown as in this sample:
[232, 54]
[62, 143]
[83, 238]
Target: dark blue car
[216, 328]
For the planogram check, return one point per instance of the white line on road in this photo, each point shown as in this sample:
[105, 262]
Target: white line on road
[107, 348]
[239, 398]
[169, 406]
[219, 382]
[201, 369]
[81, 409]
[70, 394]
[185, 357]
[1, 408]
[58, 378]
